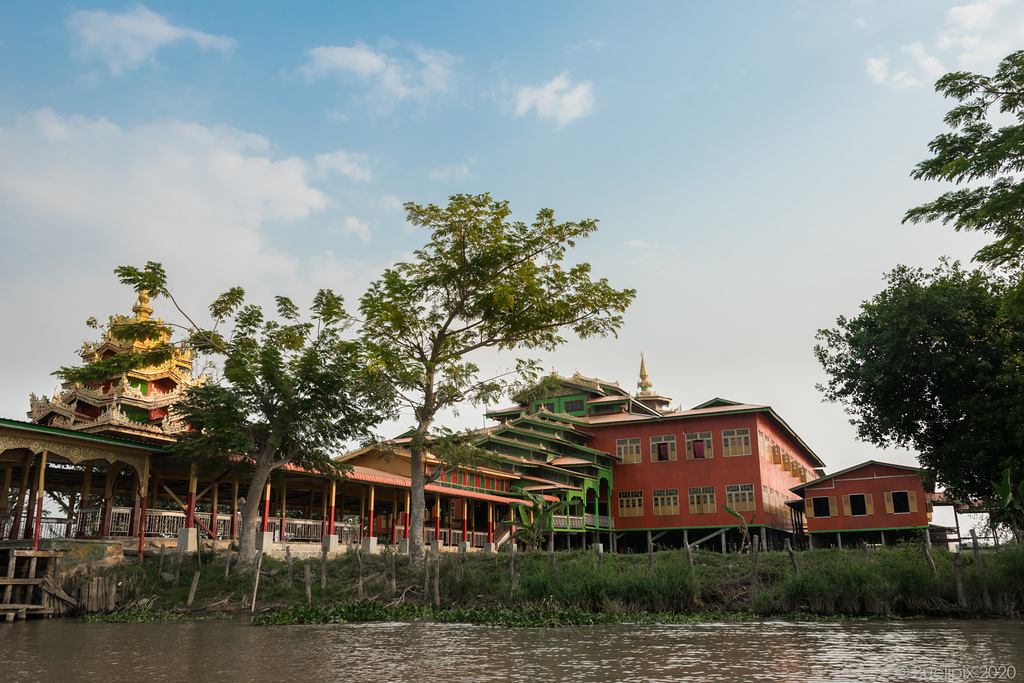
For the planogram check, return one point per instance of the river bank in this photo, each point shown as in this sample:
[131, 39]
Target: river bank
[576, 587]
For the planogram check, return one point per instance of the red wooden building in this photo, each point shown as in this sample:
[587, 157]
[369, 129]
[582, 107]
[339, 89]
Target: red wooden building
[876, 502]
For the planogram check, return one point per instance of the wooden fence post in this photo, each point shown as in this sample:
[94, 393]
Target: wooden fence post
[792, 556]
[192, 592]
[288, 559]
[256, 580]
[981, 572]
[753, 571]
[308, 581]
[958, 574]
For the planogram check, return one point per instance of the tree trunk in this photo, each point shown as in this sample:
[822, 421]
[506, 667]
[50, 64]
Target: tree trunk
[250, 518]
[417, 503]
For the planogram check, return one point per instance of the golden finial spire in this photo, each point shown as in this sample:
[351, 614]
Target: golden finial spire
[142, 309]
[644, 384]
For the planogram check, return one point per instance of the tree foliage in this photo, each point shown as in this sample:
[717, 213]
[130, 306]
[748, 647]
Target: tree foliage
[932, 363]
[291, 391]
[481, 281]
[976, 151]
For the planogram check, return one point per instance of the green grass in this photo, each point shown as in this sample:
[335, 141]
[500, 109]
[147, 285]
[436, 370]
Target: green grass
[829, 584]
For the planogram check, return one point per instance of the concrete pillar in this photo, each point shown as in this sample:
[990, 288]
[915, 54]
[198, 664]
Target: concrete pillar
[403, 546]
[436, 546]
[370, 545]
[722, 534]
[188, 540]
[329, 543]
[265, 540]
[764, 538]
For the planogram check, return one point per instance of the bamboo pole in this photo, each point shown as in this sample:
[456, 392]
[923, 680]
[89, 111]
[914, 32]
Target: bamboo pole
[256, 581]
[323, 568]
[754, 543]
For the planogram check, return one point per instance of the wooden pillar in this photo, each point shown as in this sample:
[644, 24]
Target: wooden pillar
[108, 500]
[406, 533]
[143, 485]
[213, 510]
[437, 516]
[33, 493]
[266, 508]
[41, 489]
[234, 507]
[330, 508]
[369, 511]
[284, 505]
[137, 494]
[394, 516]
[6, 496]
[323, 507]
[465, 519]
[362, 511]
[20, 502]
[190, 504]
[83, 500]
[723, 541]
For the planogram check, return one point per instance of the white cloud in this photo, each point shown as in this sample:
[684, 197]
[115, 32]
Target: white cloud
[636, 244]
[589, 44]
[392, 78]
[79, 191]
[128, 40]
[389, 203]
[353, 226]
[458, 172]
[558, 99]
[354, 166]
[976, 36]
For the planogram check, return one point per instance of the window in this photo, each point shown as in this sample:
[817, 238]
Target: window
[822, 506]
[575, 406]
[736, 442]
[858, 505]
[628, 450]
[702, 500]
[663, 448]
[666, 501]
[550, 407]
[631, 503]
[900, 502]
[740, 497]
[698, 445]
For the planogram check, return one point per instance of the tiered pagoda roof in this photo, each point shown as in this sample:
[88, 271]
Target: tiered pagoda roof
[136, 404]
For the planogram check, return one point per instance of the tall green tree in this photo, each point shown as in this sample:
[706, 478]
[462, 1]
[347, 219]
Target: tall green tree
[289, 392]
[988, 160]
[482, 281]
[933, 363]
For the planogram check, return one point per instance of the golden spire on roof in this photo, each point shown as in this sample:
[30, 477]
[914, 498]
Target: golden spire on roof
[142, 309]
[644, 384]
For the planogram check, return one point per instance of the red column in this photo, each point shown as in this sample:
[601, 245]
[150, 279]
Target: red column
[369, 526]
[465, 520]
[437, 517]
[330, 510]
[490, 523]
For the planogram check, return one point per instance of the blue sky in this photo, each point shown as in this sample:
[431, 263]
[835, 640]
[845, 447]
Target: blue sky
[748, 162]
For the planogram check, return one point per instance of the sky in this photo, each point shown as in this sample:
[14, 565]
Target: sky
[749, 164]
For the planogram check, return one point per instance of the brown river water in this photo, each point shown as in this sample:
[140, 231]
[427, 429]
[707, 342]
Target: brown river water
[934, 650]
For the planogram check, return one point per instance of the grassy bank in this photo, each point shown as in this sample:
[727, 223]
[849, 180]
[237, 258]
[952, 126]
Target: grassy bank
[477, 588]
